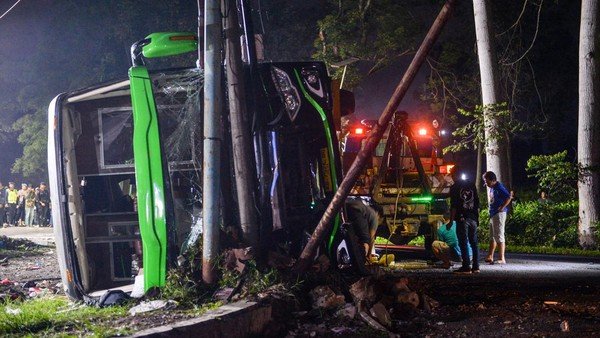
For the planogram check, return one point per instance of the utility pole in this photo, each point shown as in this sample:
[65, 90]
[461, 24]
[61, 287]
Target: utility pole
[213, 140]
[365, 154]
[240, 132]
[200, 34]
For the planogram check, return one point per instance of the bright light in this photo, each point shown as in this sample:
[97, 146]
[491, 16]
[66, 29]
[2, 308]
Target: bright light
[425, 199]
[443, 132]
[463, 177]
[449, 168]
[422, 131]
[359, 131]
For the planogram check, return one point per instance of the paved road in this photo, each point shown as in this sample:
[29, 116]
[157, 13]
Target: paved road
[411, 258]
[518, 265]
[42, 236]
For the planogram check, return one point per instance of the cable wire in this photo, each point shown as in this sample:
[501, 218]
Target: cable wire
[11, 7]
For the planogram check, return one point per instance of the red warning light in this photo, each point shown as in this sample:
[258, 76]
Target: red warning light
[359, 131]
[422, 131]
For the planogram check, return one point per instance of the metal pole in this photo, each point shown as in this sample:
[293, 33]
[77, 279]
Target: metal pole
[365, 154]
[240, 132]
[200, 34]
[213, 140]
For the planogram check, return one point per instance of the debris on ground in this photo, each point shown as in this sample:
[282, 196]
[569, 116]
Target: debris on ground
[152, 305]
[323, 297]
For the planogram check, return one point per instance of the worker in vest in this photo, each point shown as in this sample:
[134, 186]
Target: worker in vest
[12, 197]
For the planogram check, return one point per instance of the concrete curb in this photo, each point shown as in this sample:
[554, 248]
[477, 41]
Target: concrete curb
[239, 319]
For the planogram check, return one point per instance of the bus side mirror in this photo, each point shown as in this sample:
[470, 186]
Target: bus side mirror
[158, 45]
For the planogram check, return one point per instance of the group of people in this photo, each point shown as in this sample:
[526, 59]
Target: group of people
[27, 206]
[457, 240]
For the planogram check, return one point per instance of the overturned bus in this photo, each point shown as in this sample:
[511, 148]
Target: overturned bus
[126, 179]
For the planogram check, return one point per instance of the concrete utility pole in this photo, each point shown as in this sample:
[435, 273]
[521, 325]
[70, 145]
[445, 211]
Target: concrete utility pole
[213, 140]
[373, 140]
[240, 132]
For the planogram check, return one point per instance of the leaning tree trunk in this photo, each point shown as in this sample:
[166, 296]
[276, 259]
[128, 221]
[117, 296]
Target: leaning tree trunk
[495, 146]
[588, 136]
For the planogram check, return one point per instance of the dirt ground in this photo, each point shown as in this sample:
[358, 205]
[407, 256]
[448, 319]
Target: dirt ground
[478, 306]
[22, 261]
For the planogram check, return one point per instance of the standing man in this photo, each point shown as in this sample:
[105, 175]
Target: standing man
[499, 199]
[43, 204]
[30, 206]
[12, 197]
[464, 209]
[21, 205]
[2, 205]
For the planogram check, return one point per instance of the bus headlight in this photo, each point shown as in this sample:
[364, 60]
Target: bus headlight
[288, 93]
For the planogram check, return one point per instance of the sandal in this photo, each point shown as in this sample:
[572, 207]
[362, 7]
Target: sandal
[499, 262]
[489, 260]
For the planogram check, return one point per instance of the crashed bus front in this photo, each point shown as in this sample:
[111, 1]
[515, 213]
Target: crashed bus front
[125, 160]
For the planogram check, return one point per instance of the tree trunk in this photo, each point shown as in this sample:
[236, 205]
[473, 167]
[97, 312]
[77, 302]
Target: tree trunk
[588, 136]
[495, 147]
[478, 172]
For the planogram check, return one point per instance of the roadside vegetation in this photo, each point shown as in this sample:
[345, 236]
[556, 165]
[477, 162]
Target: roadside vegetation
[55, 315]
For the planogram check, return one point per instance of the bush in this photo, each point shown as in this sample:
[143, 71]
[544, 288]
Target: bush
[535, 224]
[555, 175]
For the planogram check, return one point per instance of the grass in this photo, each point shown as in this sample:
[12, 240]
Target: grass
[545, 250]
[57, 316]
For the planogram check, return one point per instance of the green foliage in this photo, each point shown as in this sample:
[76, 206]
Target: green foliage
[417, 241]
[33, 135]
[255, 280]
[546, 250]
[183, 287]
[46, 316]
[472, 133]
[375, 31]
[555, 175]
[537, 224]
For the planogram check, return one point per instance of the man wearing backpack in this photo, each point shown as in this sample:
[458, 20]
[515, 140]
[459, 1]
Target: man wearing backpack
[464, 209]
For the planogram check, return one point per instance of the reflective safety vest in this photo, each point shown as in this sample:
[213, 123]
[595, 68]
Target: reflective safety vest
[12, 196]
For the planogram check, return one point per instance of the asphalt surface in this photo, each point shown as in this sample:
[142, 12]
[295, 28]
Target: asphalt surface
[41, 236]
[412, 260]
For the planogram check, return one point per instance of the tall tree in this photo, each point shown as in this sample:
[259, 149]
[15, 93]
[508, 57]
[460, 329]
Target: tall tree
[588, 142]
[495, 140]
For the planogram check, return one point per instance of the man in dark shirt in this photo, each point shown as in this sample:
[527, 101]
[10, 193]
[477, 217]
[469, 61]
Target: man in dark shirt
[43, 205]
[2, 205]
[464, 209]
[365, 221]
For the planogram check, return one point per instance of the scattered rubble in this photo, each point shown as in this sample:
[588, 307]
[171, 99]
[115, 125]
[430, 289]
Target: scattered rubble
[152, 305]
[324, 297]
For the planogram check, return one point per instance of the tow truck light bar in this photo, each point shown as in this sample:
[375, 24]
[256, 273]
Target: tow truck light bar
[359, 131]
[422, 131]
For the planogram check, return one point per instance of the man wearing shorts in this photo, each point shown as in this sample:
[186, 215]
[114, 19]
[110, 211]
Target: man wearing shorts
[499, 199]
